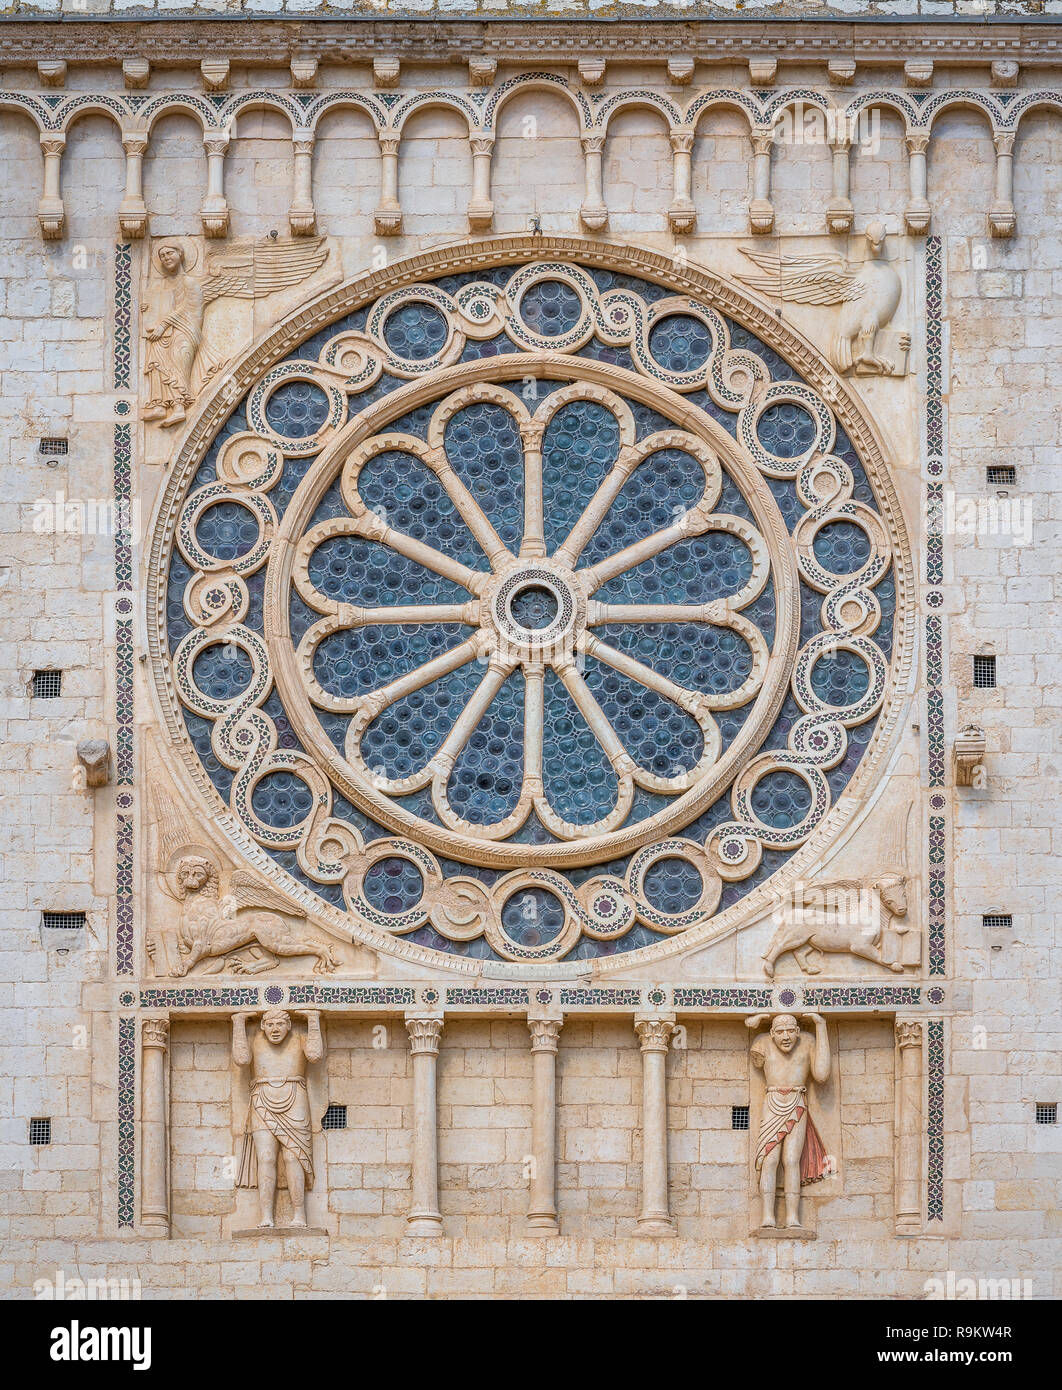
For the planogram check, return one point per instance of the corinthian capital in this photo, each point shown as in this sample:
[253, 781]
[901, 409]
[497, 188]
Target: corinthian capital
[424, 1034]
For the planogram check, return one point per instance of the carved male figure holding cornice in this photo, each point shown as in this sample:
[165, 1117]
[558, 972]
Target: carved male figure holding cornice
[788, 1058]
[278, 1121]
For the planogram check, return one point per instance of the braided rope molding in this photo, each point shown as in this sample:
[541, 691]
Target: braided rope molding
[478, 255]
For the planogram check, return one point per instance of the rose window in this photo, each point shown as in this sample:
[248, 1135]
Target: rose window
[535, 613]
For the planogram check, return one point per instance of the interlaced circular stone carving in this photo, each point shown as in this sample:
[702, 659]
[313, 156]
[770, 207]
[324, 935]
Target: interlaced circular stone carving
[530, 614]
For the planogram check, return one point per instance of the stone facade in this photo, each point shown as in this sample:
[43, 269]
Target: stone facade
[817, 291]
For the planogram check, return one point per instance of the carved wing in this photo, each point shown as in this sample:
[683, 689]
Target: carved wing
[251, 892]
[172, 831]
[263, 267]
[804, 279]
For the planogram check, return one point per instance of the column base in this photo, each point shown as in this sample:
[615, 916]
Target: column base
[302, 219]
[133, 220]
[480, 216]
[594, 219]
[761, 217]
[215, 219]
[784, 1233]
[264, 1232]
[542, 1226]
[1002, 221]
[682, 217]
[839, 216]
[656, 1226]
[916, 218]
[424, 1224]
[388, 221]
[51, 218]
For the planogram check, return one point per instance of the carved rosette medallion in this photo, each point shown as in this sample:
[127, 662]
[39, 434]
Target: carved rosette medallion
[532, 610]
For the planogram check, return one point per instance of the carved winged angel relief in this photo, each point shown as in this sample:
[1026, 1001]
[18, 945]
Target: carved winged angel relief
[177, 362]
[868, 292]
[245, 931]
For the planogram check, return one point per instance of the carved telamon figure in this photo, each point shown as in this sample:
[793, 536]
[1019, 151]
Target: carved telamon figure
[788, 1057]
[173, 324]
[278, 1121]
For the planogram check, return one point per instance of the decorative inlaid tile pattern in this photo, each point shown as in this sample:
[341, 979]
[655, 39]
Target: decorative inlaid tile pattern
[938, 885]
[687, 997]
[123, 892]
[588, 998]
[351, 994]
[937, 826]
[241, 997]
[487, 996]
[123, 301]
[863, 996]
[126, 1121]
[935, 1121]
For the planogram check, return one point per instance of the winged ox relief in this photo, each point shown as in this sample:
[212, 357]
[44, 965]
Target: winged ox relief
[866, 293]
[179, 359]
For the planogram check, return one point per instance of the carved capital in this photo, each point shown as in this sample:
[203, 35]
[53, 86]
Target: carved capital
[918, 72]
[763, 71]
[680, 71]
[389, 143]
[94, 756]
[1003, 141]
[424, 1034]
[52, 72]
[155, 1032]
[592, 71]
[762, 139]
[908, 1032]
[654, 1034]
[592, 144]
[134, 141]
[681, 140]
[917, 141]
[545, 1034]
[216, 142]
[53, 143]
[842, 71]
[483, 144]
[1004, 73]
[969, 755]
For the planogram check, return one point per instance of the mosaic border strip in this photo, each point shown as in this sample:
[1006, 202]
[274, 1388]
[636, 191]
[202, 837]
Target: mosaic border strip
[619, 998]
[863, 996]
[471, 995]
[935, 1121]
[126, 1121]
[123, 892]
[241, 997]
[351, 994]
[123, 315]
[937, 826]
[688, 997]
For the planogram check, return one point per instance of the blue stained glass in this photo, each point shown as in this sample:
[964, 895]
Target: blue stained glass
[841, 678]
[222, 671]
[842, 547]
[354, 661]
[281, 799]
[673, 885]
[786, 430]
[533, 917]
[663, 487]
[375, 576]
[415, 331]
[712, 566]
[657, 734]
[393, 885]
[550, 308]
[579, 780]
[399, 488]
[781, 799]
[534, 608]
[697, 656]
[580, 446]
[680, 343]
[404, 736]
[227, 531]
[487, 777]
[483, 444]
[297, 409]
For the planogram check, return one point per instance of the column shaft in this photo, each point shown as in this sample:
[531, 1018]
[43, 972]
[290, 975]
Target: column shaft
[542, 1208]
[154, 1136]
[424, 1217]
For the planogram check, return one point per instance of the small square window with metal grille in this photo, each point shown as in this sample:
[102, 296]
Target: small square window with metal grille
[335, 1117]
[40, 1131]
[997, 920]
[63, 921]
[47, 685]
[739, 1117]
[1004, 474]
[53, 447]
[1046, 1112]
[984, 672]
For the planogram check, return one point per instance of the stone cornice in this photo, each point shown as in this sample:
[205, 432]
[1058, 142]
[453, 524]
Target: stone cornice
[245, 38]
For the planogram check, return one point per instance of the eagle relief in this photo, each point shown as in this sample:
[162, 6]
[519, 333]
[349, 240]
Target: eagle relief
[867, 293]
[184, 347]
